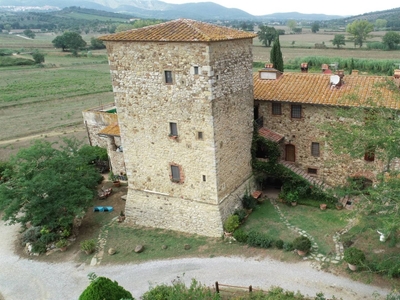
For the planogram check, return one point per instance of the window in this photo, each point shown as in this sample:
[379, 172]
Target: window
[315, 149]
[173, 129]
[196, 70]
[176, 173]
[204, 177]
[312, 171]
[276, 109]
[200, 135]
[296, 111]
[168, 77]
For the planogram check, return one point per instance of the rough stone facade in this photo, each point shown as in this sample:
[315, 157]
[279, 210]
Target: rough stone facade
[210, 100]
[331, 168]
[95, 120]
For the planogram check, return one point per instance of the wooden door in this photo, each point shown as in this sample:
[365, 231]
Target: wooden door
[290, 152]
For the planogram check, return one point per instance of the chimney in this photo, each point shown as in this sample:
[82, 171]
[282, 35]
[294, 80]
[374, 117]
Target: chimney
[269, 65]
[396, 77]
[354, 72]
[304, 67]
[325, 69]
[340, 73]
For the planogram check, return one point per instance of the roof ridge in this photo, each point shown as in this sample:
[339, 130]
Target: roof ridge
[190, 22]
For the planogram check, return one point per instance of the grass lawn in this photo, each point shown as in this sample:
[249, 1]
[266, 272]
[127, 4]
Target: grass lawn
[264, 218]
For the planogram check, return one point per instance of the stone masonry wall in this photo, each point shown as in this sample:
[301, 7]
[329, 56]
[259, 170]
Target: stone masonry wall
[333, 169]
[95, 120]
[147, 105]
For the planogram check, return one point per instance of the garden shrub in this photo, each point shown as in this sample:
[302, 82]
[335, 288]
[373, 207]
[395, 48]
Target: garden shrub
[288, 246]
[102, 288]
[279, 244]
[38, 247]
[241, 213]
[249, 202]
[31, 235]
[388, 265]
[179, 291]
[302, 243]
[240, 235]
[354, 256]
[48, 237]
[231, 223]
[259, 239]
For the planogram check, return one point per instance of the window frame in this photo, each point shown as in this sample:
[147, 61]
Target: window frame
[294, 114]
[173, 129]
[176, 173]
[315, 149]
[276, 107]
[196, 70]
[312, 171]
[168, 77]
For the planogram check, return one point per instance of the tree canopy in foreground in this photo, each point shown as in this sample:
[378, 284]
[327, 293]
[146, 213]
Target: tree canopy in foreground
[47, 187]
[372, 130]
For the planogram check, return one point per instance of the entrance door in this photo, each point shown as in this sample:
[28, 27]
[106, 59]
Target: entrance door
[290, 152]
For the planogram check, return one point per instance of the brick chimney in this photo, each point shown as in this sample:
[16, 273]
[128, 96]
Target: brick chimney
[340, 73]
[325, 69]
[269, 65]
[304, 67]
[396, 77]
[354, 72]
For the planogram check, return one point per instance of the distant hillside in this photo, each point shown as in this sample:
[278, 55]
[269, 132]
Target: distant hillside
[300, 16]
[162, 10]
[392, 16]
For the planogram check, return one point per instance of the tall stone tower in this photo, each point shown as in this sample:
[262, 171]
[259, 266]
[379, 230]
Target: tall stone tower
[184, 96]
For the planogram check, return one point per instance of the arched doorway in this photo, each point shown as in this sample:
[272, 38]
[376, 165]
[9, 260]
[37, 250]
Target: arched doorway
[290, 152]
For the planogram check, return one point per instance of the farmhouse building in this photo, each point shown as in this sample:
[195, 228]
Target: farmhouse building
[187, 100]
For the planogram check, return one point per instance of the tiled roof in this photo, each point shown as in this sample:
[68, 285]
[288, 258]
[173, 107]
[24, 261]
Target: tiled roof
[316, 89]
[270, 135]
[112, 129]
[181, 30]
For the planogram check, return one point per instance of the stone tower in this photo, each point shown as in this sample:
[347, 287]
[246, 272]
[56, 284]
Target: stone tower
[184, 96]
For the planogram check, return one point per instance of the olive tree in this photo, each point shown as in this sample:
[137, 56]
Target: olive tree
[359, 30]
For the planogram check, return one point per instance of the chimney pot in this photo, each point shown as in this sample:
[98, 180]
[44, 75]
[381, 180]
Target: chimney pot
[269, 65]
[304, 67]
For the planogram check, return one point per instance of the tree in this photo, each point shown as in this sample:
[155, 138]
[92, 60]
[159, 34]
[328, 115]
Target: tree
[370, 128]
[96, 43]
[7, 27]
[276, 55]
[391, 39]
[266, 35]
[101, 288]
[338, 40]
[48, 187]
[315, 27]
[291, 24]
[380, 24]
[29, 33]
[38, 57]
[69, 40]
[359, 30]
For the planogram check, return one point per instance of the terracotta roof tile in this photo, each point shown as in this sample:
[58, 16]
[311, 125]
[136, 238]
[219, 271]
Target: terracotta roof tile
[181, 30]
[270, 135]
[112, 129]
[316, 89]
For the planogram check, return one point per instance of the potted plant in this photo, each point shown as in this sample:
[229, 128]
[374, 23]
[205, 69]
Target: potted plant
[230, 224]
[354, 257]
[292, 197]
[88, 246]
[62, 244]
[302, 244]
[323, 206]
[339, 205]
[115, 180]
[121, 217]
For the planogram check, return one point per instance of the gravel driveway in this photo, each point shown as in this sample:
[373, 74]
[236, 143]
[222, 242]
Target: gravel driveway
[22, 278]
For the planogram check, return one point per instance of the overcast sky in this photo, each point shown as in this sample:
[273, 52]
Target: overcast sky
[328, 7]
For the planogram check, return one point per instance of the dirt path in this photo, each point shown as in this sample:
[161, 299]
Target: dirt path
[22, 278]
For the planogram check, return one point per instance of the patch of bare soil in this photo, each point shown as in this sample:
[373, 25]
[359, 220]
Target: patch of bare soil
[90, 227]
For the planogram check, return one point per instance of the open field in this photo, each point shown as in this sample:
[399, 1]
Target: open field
[39, 100]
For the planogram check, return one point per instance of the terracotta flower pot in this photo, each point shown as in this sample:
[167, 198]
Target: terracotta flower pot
[301, 253]
[352, 267]
[322, 206]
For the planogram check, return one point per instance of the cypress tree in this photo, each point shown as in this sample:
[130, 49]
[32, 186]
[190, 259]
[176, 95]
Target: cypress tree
[276, 55]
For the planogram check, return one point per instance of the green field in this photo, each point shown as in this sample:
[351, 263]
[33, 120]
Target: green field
[38, 100]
